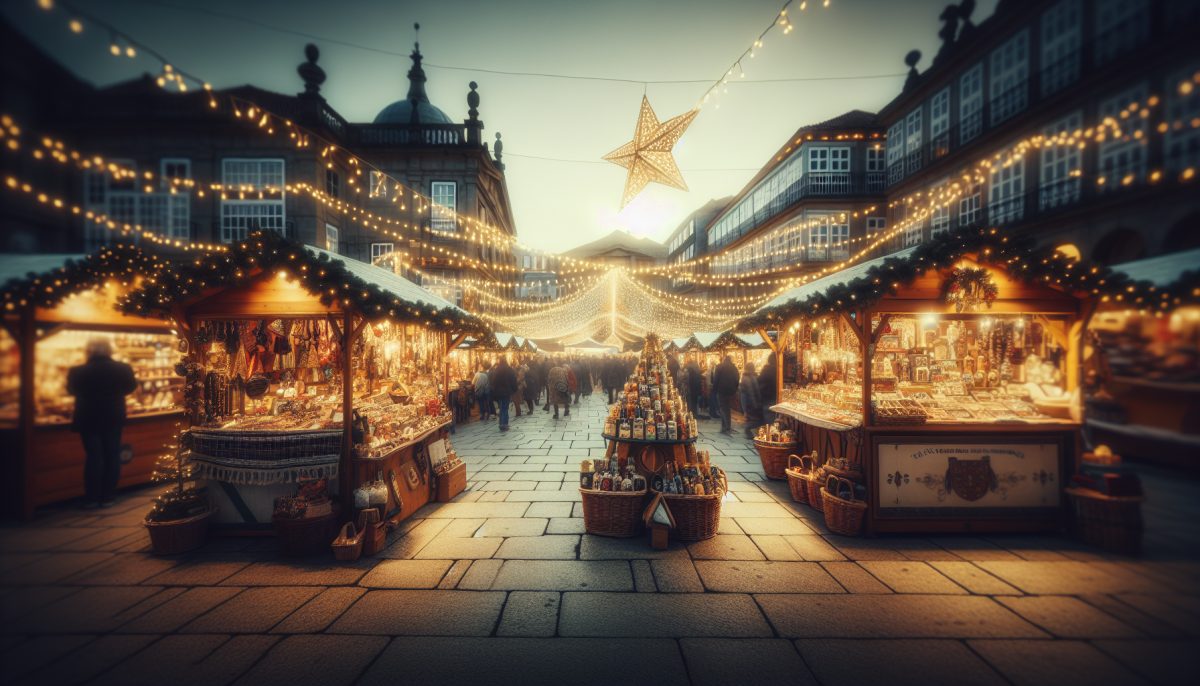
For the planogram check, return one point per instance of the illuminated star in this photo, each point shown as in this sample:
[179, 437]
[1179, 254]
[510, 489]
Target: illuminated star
[648, 156]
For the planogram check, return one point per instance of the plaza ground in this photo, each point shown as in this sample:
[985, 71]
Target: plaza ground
[501, 585]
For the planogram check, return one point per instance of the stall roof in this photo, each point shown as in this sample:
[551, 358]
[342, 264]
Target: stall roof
[705, 338]
[392, 283]
[1161, 271]
[839, 278]
[20, 266]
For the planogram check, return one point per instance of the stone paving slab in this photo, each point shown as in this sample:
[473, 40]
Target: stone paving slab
[406, 574]
[719, 661]
[539, 548]
[177, 611]
[325, 660]
[766, 577]
[897, 662]
[209, 659]
[422, 613]
[253, 611]
[530, 613]
[324, 571]
[893, 616]
[91, 610]
[1054, 663]
[437, 661]
[564, 575]
[672, 615]
[1069, 617]
[90, 660]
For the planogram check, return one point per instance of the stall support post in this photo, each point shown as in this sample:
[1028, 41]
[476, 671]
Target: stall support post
[346, 464]
[27, 340]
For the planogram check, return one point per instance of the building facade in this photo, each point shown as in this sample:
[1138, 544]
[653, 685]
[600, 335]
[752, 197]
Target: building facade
[413, 184]
[689, 241]
[955, 133]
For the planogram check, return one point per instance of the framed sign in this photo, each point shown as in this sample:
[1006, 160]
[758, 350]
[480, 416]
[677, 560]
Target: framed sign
[967, 477]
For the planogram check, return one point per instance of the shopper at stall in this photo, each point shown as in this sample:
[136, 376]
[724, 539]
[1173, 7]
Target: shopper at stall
[725, 383]
[559, 389]
[748, 393]
[768, 392]
[521, 397]
[714, 407]
[502, 383]
[692, 384]
[100, 386]
[482, 393]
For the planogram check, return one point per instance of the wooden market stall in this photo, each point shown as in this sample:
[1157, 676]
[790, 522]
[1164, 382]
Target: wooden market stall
[302, 367]
[1144, 396]
[942, 382]
[53, 305]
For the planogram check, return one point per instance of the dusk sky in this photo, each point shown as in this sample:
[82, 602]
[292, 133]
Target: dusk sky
[557, 204]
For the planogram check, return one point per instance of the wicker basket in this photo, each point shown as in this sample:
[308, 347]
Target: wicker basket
[774, 457]
[305, 536]
[843, 514]
[1113, 523]
[348, 545]
[795, 478]
[811, 475]
[697, 517]
[612, 513]
[180, 535]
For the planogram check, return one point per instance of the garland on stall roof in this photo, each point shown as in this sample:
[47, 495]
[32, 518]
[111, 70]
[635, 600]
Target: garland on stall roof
[970, 287]
[324, 277]
[1020, 257]
[119, 262]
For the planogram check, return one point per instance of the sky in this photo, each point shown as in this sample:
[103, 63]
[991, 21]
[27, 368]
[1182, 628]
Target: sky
[557, 204]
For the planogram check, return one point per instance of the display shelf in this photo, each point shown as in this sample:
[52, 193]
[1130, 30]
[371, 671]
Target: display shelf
[644, 441]
[417, 438]
[797, 413]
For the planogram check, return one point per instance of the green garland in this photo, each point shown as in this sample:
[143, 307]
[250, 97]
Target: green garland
[326, 278]
[118, 262]
[1020, 257]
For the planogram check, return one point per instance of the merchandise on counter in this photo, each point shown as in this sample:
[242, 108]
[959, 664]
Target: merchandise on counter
[775, 432]
[689, 478]
[610, 475]
[311, 501]
[649, 408]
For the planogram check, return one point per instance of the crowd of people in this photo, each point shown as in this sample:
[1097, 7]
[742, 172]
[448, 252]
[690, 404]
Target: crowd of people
[558, 382]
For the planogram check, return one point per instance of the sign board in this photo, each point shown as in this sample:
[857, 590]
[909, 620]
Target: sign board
[959, 478]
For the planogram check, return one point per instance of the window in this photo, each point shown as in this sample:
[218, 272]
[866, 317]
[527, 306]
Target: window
[378, 189]
[875, 158]
[876, 225]
[331, 238]
[829, 239]
[1122, 157]
[172, 170]
[1061, 165]
[174, 212]
[970, 104]
[914, 233]
[1182, 141]
[381, 250]
[818, 159]
[939, 123]
[968, 207]
[912, 140]
[1006, 189]
[527, 262]
[1061, 37]
[119, 199]
[895, 152]
[333, 184]
[939, 220]
[243, 214]
[1121, 26]
[445, 205]
[1010, 77]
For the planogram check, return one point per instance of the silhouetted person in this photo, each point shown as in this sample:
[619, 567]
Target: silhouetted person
[725, 383]
[100, 386]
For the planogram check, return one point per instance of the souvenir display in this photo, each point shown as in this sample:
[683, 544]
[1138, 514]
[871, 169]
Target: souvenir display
[775, 432]
[649, 408]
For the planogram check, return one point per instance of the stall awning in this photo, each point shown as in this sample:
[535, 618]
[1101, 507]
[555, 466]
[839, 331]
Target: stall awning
[705, 339]
[839, 278]
[1161, 271]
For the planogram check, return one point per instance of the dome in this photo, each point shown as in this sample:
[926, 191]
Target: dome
[400, 112]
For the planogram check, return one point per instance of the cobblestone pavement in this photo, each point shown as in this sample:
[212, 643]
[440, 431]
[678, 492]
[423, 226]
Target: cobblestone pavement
[502, 586]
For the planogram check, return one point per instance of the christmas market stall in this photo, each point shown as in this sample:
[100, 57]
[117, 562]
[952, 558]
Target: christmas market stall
[53, 306]
[314, 383]
[938, 389]
[1144, 392]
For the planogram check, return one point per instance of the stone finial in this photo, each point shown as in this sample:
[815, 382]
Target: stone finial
[473, 101]
[498, 152]
[949, 19]
[911, 60]
[965, 8]
[312, 74]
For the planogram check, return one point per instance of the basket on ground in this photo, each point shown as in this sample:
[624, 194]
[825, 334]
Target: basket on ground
[774, 457]
[309, 536]
[180, 535]
[811, 475]
[612, 513]
[1110, 522]
[795, 478]
[843, 513]
[697, 517]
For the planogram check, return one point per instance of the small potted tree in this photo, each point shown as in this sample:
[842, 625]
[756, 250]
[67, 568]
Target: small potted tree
[178, 522]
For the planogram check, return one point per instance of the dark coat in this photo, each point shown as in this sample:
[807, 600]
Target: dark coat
[502, 380]
[100, 386]
[766, 384]
[726, 379]
[694, 376]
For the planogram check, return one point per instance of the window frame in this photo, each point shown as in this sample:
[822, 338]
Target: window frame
[452, 219]
[1008, 88]
[970, 104]
[230, 233]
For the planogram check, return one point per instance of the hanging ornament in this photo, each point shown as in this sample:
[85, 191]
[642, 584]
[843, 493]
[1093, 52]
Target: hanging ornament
[968, 288]
[648, 156]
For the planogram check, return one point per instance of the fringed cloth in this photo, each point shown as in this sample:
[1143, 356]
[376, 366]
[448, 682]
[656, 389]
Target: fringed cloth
[264, 472]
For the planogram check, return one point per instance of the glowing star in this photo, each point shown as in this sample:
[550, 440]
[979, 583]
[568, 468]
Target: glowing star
[648, 156]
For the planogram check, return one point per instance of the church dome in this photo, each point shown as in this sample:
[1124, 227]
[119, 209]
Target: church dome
[400, 112]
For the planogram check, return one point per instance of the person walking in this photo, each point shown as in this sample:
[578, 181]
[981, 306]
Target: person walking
[725, 382]
[692, 387]
[502, 382]
[100, 386]
[559, 389]
[575, 378]
[751, 400]
[768, 390]
[714, 407]
[521, 397]
[482, 395]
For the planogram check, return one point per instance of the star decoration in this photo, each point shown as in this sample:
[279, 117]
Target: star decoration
[648, 156]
